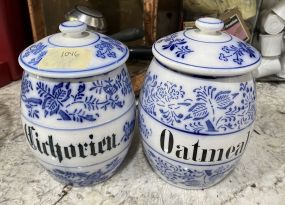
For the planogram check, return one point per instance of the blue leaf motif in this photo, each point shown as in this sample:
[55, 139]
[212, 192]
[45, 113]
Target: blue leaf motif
[238, 61]
[50, 105]
[177, 45]
[33, 101]
[80, 92]
[57, 92]
[64, 115]
[236, 52]
[223, 57]
[128, 130]
[198, 111]
[226, 49]
[71, 101]
[224, 99]
[81, 88]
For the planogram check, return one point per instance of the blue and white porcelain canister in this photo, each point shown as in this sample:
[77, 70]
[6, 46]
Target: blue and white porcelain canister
[198, 105]
[77, 104]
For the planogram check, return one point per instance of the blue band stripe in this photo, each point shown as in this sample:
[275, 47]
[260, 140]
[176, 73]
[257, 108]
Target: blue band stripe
[63, 24]
[230, 38]
[206, 22]
[66, 46]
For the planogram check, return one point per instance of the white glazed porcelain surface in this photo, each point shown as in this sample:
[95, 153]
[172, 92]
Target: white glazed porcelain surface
[179, 112]
[206, 51]
[79, 133]
[78, 123]
[107, 53]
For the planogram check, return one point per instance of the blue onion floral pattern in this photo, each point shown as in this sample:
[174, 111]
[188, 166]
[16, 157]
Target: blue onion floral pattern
[86, 178]
[180, 174]
[37, 51]
[236, 53]
[106, 48]
[79, 102]
[177, 45]
[144, 130]
[211, 111]
[128, 130]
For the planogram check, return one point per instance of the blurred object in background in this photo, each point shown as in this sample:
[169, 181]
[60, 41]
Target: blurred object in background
[150, 20]
[129, 34]
[228, 11]
[271, 26]
[169, 14]
[270, 23]
[161, 18]
[15, 35]
[93, 18]
[235, 25]
[281, 74]
[271, 45]
[197, 8]
[279, 9]
[96, 22]
[119, 14]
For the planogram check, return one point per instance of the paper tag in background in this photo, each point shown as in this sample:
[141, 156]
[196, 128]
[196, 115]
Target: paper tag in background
[235, 25]
[66, 58]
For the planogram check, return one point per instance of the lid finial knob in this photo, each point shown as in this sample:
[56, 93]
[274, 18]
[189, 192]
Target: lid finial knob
[72, 28]
[209, 25]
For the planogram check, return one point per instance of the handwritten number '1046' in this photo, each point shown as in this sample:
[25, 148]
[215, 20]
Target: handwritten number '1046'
[69, 53]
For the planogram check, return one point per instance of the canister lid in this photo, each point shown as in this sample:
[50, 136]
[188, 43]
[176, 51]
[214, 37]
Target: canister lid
[73, 53]
[206, 51]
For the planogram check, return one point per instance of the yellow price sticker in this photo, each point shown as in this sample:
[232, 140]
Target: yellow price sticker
[66, 58]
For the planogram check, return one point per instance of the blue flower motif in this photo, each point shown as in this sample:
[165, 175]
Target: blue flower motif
[212, 110]
[86, 178]
[38, 58]
[165, 95]
[26, 85]
[34, 49]
[30, 102]
[236, 52]
[180, 174]
[223, 57]
[115, 43]
[106, 48]
[128, 130]
[72, 103]
[144, 130]
[37, 51]
[238, 61]
[53, 99]
[177, 45]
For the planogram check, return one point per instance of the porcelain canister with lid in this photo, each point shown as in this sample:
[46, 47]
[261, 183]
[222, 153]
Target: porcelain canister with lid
[77, 104]
[197, 105]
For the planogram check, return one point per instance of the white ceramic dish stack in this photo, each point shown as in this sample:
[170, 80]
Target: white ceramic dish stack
[272, 23]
